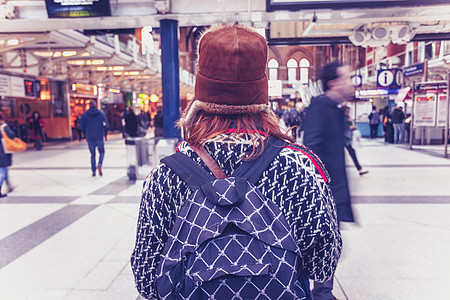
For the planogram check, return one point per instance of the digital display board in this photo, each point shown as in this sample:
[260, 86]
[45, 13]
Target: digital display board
[77, 8]
[294, 5]
[29, 88]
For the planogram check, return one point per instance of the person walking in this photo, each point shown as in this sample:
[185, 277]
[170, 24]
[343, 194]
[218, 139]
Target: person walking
[5, 158]
[387, 126]
[374, 122]
[324, 135]
[131, 123]
[348, 138]
[94, 123]
[77, 127]
[228, 127]
[158, 122]
[36, 126]
[397, 118]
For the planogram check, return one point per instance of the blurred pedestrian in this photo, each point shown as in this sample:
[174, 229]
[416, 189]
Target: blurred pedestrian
[407, 123]
[94, 124]
[142, 118]
[374, 122]
[5, 158]
[158, 122]
[348, 138]
[131, 123]
[398, 117]
[77, 127]
[324, 135]
[228, 128]
[36, 126]
[387, 126]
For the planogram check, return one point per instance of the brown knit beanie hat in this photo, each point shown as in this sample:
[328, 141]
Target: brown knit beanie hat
[231, 77]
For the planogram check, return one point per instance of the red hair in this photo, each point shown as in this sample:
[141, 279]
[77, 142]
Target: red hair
[203, 126]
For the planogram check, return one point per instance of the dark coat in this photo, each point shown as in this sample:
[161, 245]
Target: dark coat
[131, 124]
[94, 123]
[397, 116]
[6, 158]
[36, 127]
[324, 135]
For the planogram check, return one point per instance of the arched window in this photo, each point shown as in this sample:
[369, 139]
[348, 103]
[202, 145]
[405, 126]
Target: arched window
[273, 69]
[304, 70]
[292, 70]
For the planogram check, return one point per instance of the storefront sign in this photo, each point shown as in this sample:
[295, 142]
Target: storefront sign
[26, 106]
[425, 111]
[413, 70]
[17, 86]
[85, 89]
[4, 85]
[441, 110]
[375, 93]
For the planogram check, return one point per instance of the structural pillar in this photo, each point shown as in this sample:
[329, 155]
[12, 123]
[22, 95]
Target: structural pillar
[170, 77]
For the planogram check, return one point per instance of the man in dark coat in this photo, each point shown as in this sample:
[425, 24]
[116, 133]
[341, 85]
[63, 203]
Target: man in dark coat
[397, 118]
[131, 123]
[324, 134]
[94, 123]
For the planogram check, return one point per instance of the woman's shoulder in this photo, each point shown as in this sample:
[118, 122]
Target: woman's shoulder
[304, 158]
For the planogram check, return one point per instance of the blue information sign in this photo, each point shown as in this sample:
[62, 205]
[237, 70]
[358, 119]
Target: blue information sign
[390, 78]
[413, 70]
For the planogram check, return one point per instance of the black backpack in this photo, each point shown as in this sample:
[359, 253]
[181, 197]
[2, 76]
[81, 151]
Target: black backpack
[230, 241]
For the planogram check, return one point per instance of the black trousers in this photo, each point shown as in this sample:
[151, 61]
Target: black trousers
[373, 131]
[352, 153]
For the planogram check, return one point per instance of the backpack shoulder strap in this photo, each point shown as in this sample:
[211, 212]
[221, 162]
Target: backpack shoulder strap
[187, 169]
[252, 169]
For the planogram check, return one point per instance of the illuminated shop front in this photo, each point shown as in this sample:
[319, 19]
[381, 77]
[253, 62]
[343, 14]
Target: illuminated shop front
[81, 95]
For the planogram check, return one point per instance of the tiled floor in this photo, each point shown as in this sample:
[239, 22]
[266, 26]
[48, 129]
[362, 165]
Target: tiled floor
[67, 235]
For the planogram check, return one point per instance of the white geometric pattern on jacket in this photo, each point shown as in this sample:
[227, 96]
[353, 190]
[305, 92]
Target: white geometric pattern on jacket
[292, 181]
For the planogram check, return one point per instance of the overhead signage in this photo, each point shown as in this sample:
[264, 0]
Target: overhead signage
[77, 8]
[17, 86]
[431, 87]
[375, 93]
[4, 85]
[356, 80]
[389, 78]
[295, 5]
[425, 111]
[84, 89]
[413, 70]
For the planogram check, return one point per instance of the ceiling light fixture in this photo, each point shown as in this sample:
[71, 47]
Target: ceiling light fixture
[12, 42]
[69, 53]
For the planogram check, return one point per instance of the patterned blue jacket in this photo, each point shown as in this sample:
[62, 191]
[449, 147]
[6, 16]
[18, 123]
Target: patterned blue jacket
[295, 181]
